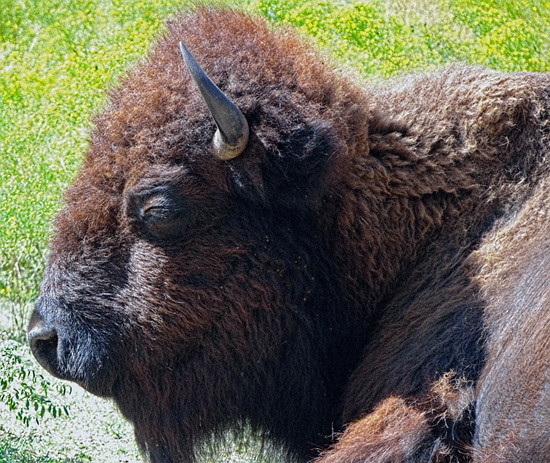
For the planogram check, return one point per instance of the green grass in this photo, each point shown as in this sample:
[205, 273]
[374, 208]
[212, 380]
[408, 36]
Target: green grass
[57, 58]
[12, 450]
[385, 38]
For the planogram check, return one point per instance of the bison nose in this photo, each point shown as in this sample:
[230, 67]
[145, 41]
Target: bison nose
[43, 341]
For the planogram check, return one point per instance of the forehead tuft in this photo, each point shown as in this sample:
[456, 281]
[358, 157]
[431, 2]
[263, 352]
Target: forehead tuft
[158, 115]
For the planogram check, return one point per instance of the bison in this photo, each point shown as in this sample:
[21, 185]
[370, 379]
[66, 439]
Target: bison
[260, 241]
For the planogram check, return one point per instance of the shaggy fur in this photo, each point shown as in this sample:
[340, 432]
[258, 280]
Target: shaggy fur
[373, 265]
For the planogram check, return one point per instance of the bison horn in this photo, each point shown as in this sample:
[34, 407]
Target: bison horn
[231, 138]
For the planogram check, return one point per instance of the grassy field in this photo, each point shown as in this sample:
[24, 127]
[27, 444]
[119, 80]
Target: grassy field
[57, 58]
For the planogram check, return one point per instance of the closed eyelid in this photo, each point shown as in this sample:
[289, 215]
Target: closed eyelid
[160, 212]
[160, 202]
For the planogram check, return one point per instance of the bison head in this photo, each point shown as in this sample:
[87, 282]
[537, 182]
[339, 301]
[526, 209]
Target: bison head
[193, 281]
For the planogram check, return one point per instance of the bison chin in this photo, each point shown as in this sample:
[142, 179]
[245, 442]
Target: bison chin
[69, 351]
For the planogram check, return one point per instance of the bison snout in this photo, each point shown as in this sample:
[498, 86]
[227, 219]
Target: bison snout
[68, 349]
[43, 341]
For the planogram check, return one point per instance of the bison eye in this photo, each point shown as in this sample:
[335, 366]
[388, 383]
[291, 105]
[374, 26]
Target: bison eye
[160, 213]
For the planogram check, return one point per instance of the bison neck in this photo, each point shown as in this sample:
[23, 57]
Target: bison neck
[398, 193]
[432, 155]
[394, 195]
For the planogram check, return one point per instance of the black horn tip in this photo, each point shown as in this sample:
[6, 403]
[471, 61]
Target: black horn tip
[231, 138]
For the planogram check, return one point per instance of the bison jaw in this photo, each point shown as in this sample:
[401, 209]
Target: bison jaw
[68, 354]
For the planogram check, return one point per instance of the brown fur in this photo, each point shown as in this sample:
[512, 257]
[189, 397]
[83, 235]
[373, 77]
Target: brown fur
[369, 264]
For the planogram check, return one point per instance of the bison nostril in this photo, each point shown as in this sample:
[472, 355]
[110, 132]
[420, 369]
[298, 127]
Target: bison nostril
[40, 338]
[43, 342]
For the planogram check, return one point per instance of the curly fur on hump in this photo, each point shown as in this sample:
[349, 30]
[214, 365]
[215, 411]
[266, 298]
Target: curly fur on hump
[371, 268]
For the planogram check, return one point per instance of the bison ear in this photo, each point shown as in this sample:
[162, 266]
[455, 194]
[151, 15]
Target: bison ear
[290, 175]
[305, 151]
